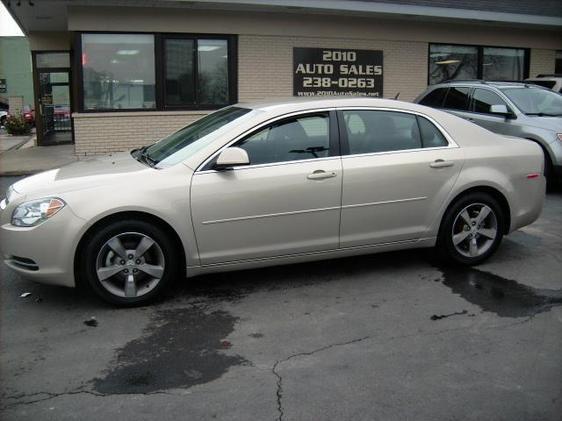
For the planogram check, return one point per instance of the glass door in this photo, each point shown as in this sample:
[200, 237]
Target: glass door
[53, 99]
[54, 107]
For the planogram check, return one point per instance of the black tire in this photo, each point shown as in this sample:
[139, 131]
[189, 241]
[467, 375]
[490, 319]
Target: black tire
[548, 171]
[97, 243]
[450, 225]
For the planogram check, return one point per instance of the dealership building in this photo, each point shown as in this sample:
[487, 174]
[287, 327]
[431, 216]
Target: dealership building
[114, 75]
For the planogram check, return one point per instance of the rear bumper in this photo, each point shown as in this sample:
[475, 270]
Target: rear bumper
[529, 202]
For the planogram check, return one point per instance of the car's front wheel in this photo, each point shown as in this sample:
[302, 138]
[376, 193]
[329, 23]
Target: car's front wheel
[129, 263]
[471, 230]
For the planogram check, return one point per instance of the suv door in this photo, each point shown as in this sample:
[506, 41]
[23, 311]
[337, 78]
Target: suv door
[286, 201]
[482, 101]
[398, 170]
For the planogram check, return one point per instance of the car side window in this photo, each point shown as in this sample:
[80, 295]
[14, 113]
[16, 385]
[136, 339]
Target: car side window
[457, 99]
[293, 139]
[483, 100]
[381, 131]
[434, 98]
[431, 136]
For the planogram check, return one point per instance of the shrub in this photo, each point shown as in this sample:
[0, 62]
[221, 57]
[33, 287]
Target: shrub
[17, 126]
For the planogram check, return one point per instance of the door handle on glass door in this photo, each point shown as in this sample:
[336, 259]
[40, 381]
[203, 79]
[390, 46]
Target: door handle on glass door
[440, 163]
[320, 175]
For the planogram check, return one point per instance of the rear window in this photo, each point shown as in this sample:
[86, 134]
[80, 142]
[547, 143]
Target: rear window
[434, 98]
[457, 99]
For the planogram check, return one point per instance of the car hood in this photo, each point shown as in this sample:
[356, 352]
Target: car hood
[84, 174]
[548, 123]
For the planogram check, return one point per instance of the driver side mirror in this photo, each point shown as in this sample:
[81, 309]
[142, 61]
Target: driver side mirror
[501, 109]
[231, 157]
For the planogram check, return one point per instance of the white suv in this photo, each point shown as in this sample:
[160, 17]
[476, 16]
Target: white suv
[552, 81]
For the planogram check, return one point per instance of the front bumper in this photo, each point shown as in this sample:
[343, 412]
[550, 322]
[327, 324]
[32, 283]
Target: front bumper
[44, 253]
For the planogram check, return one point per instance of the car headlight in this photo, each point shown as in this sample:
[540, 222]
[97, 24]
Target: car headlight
[32, 213]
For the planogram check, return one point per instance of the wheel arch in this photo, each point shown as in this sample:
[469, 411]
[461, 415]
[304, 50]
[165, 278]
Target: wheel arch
[495, 193]
[124, 216]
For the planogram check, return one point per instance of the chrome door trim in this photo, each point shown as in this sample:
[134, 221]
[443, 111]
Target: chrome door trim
[269, 215]
[384, 202]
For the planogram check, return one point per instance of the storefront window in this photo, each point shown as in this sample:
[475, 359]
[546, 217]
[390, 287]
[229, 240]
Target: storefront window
[156, 72]
[212, 65]
[118, 71]
[448, 62]
[196, 72]
[503, 64]
[180, 83]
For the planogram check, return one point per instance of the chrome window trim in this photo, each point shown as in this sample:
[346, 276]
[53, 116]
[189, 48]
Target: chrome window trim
[446, 135]
[448, 138]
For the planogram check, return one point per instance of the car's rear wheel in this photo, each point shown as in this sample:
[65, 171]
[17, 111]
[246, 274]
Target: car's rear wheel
[129, 263]
[472, 229]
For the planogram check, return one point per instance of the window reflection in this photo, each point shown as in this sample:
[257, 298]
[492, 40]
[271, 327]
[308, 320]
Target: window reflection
[503, 64]
[118, 71]
[448, 62]
[212, 65]
[179, 72]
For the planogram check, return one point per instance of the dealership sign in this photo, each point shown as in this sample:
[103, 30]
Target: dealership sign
[326, 71]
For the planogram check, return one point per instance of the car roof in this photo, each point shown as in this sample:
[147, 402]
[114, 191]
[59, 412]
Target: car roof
[494, 84]
[305, 103]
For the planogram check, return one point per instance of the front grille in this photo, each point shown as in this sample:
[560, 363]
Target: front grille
[23, 263]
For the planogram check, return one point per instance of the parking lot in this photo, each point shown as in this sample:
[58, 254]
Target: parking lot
[393, 336]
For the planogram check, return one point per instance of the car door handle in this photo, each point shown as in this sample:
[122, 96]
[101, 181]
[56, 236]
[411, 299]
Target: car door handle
[440, 163]
[320, 175]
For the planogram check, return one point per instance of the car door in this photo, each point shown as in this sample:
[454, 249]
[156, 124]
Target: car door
[398, 168]
[482, 101]
[286, 201]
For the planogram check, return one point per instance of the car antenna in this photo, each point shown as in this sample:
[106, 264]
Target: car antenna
[397, 95]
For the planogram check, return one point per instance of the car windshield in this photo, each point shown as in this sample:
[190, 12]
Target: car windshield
[185, 142]
[535, 101]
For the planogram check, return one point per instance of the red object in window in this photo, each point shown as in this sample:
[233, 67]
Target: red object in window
[533, 175]
[84, 59]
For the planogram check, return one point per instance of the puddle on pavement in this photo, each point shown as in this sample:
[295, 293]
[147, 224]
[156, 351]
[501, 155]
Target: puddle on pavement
[179, 349]
[504, 297]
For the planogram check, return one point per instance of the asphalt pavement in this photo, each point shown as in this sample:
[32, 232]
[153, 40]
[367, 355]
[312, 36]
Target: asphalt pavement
[392, 336]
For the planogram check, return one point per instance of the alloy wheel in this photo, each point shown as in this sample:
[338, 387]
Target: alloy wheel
[474, 230]
[130, 264]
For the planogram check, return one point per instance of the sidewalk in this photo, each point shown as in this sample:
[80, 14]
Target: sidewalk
[8, 142]
[34, 159]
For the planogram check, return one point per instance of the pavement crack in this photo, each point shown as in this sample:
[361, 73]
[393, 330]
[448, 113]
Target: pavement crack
[53, 395]
[279, 383]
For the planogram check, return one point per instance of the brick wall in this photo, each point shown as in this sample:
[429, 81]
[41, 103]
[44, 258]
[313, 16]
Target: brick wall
[265, 67]
[101, 133]
[542, 61]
